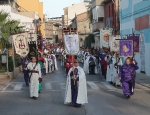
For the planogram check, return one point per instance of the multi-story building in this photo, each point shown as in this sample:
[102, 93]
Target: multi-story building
[53, 28]
[71, 11]
[82, 22]
[35, 8]
[98, 19]
[135, 17]
[25, 21]
[111, 14]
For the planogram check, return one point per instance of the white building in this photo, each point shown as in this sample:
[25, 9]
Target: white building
[24, 21]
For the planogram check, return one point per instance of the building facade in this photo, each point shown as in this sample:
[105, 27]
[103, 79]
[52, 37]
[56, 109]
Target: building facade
[98, 20]
[135, 15]
[36, 7]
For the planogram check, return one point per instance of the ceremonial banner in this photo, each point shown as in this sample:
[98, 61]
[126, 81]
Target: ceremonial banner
[32, 49]
[136, 44]
[126, 48]
[114, 44]
[20, 44]
[71, 44]
[104, 38]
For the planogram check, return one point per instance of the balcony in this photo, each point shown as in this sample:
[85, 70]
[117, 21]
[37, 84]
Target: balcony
[97, 26]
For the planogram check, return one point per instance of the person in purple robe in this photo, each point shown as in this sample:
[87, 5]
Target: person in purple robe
[127, 75]
[101, 58]
[91, 64]
[25, 72]
[76, 88]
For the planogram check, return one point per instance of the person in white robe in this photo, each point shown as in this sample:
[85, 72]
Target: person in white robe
[117, 65]
[109, 74]
[86, 54]
[34, 76]
[87, 64]
[76, 86]
[46, 62]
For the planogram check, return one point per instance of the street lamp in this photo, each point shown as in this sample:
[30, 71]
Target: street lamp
[85, 35]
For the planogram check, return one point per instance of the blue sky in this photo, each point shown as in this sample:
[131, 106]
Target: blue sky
[54, 8]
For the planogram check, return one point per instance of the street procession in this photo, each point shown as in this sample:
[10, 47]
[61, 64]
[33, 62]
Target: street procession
[76, 57]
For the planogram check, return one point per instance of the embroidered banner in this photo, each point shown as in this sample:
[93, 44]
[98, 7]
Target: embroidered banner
[71, 44]
[136, 44]
[104, 38]
[126, 48]
[20, 44]
[114, 44]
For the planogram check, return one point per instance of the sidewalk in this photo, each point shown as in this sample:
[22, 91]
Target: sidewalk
[143, 79]
[4, 82]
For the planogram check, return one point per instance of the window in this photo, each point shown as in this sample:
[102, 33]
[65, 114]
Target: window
[100, 19]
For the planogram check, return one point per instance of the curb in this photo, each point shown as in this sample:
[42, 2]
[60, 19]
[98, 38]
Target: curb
[143, 85]
[6, 84]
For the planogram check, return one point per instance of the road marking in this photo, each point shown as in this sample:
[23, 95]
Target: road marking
[106, 84]
[5, 87]
[18, 87]
[11, 91]
[48, 86]
[93, 85]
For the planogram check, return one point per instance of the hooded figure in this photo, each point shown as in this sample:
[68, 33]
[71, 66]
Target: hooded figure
[127, 75]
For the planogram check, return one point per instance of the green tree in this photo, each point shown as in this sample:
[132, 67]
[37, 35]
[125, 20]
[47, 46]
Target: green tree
[8, 27]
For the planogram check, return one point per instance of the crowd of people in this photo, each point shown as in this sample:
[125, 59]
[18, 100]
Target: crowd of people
[36, 67]
[95, 61]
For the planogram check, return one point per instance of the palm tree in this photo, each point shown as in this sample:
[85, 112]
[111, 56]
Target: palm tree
[8, 27]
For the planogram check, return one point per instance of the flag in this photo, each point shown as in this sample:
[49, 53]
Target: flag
[114, 44]
[71, 44]
[126, 48]
[20, 44]
[136, 43]
[104, 38]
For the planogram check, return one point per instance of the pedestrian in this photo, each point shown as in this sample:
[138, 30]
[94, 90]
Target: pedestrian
[25, 72]
[34, 77]
[127, 75]
[76, 88]
[104, 67]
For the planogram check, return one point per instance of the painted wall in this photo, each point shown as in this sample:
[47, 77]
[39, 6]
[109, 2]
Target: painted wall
[76, 8]
[130, 11]
[34, 6]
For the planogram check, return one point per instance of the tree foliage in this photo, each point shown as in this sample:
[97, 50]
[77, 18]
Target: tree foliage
[8, 27]
[88, 40]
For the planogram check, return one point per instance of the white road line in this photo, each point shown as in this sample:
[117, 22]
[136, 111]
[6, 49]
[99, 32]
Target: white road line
[18, 87]
[5, 87]
[93, 85]
[106, 84]
[48, 86]
[11, 91]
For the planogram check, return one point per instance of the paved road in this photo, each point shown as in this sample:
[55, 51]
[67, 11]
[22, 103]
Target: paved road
[104, 99]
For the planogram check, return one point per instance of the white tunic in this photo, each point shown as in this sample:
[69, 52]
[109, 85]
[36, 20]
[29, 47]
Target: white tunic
[46, 64]
[86, 63]
[34, 80]
[82, 91]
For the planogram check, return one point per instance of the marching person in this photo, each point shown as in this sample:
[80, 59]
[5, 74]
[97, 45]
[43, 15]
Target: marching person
[35, 77]
[86, 54]
[90, 64]
[127, 75]
[25, 72]
[76, 88]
